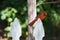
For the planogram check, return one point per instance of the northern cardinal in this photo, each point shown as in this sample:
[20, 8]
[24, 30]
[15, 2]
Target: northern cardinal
[41, 16]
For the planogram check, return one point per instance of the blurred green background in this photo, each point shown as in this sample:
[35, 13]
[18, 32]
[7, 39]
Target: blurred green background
[9, 9]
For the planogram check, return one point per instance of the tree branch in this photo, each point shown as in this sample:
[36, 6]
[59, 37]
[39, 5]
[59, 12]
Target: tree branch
[47, 3]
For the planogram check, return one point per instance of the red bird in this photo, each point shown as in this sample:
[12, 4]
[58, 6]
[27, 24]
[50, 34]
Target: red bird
[41, 16]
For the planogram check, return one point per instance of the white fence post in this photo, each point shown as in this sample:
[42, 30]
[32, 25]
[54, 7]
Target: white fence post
[16, 30]
[38, 31]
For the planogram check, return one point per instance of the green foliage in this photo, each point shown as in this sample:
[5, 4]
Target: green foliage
[8, 12]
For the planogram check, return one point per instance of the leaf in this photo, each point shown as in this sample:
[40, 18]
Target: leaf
[14, 10]
[9, 19]
[3, 17]
[8, 28]
[38, 10]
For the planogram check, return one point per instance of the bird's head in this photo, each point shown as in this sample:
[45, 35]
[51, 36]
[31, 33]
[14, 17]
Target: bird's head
[42, 15]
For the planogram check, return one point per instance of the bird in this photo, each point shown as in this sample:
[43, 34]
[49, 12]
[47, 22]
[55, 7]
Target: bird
[42, 16]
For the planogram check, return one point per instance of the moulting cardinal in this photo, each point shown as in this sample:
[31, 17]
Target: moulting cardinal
[41, 16]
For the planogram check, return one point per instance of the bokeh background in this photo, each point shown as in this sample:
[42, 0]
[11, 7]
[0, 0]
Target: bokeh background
[10, 9]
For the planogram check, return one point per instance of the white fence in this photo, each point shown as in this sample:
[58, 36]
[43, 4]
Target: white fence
[38, 31]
